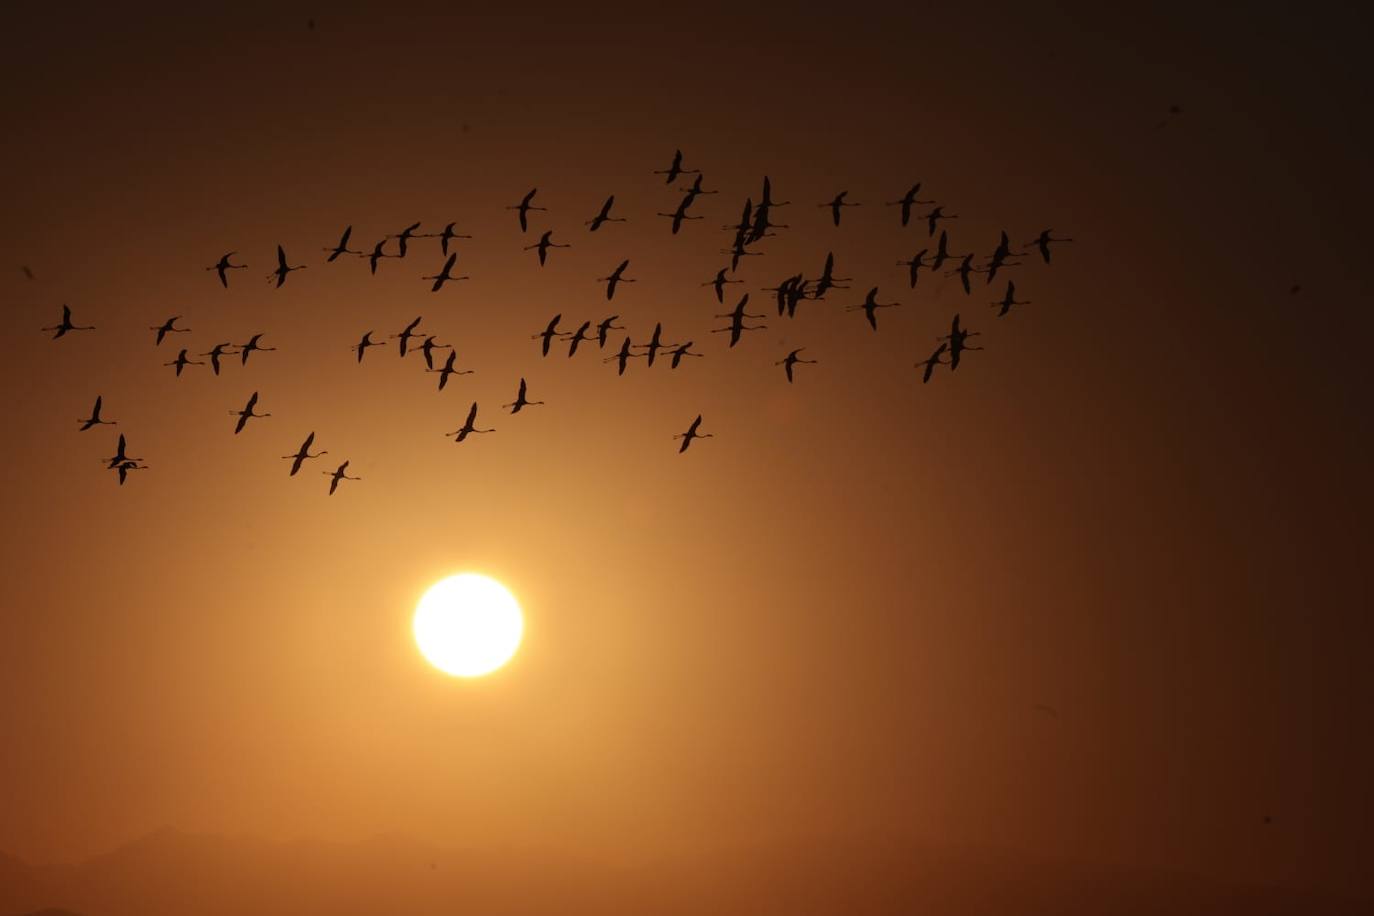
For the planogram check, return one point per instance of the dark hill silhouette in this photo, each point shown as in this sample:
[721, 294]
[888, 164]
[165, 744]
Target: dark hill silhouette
[169, 872]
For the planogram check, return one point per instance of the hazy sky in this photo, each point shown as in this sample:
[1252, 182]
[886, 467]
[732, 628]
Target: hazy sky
[1144, 504]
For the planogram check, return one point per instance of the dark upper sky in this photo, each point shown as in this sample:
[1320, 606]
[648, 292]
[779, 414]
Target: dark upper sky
[1142, 505]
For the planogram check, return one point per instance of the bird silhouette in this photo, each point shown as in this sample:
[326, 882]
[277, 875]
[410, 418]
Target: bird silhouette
[120, 455]
[655, 344]
[448, 370]
[675, 170]
[680, 351]
[578, 336]
[403, 237]
[525, 207]
[784, 291]
[617, 277]
[94, 418]
[361, 346]
[737, 252]
[934, 216]
[737, 325]
[467, 428]
[245, 349]
[790, 360]
[870, 305]
[828, 280]
[376, 255]
[963, 270]
[124, 467]
[550, 332]
[182, 361]
[1042, 242]
[215, 353]
[604, 216]
[247, 414]
[837, 204]
[1007, 301]
[342, 247]
[907, 201]
[403, 338]
[428, 346]
[544, 244]
[603, 327]
[914, 265]
[303, 453]
[932, 361]
[957, 338]
[1000, 256]
[444, 275]
[282, 268]
[167, 327]
[623, 357]
[66, 324]
[680, 214]
[520, 400]
[691, 434]
[223, 265]
[447, 236]
[719, 284]
[336, 475]
[942, 253]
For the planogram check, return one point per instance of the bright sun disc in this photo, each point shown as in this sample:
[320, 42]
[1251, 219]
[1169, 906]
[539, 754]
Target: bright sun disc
[468, 625]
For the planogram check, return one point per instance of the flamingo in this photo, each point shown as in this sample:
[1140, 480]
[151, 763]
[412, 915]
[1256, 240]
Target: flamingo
[404, 236]
[623, 356]
[963, 270]
[182, 361]
[907, 201]
[933, 361]
[303, 453]
[245, 349]
[342, 247]
[376, 255]
[66, 324]
[361, 346]
[282, 268]
[120, 455]
[915, 265]
[222, 265]
[247, 414]
[837, 204]
[336, 475]
[525, 207]
[617, 276]
[578, 336]
[403, 338]
[167, 327]
[604, 216]
[544, 244]
[934, 216]
[428, 348]
[719, 284]
[737, 324]
[870, 305]
[520, 400]
[956, 338]
[680, 351]
[791, 359]
[1042, 241]
[448, 369]
[655, 344]
[605, 326]
[680, 214]
[467, 428]
[1009, 300]
[94, 418]
[549, 333]
[124, 467]
[828, 280]
[691, 434]
[445, 237]
[215, 353]
[999, 257]
[444, 275]
[675, 170]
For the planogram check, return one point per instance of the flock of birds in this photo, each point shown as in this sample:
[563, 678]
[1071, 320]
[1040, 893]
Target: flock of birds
[756, 223]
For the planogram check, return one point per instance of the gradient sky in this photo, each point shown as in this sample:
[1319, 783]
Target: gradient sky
[1145, 504]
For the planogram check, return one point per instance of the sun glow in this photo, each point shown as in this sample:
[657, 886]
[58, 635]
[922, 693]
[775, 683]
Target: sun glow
[468, 625]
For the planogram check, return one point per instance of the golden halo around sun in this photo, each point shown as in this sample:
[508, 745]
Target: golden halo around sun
[468, 625]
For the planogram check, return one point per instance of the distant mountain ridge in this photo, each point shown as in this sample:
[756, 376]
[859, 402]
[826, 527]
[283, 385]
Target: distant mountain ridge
[171, 873]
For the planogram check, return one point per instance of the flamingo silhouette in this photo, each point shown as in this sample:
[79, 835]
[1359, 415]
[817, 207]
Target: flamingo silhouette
[247, 414]
[303, 453]
[520, 400]
[182, 361]
[675, 170]
[448, 370]
[282, 268]
[245, 349]
[167, 327]
[444, 275]
[790, 360]
[525, 207]
[342, 247]
[906, 202]
[544, 244]
[617, 277]
[870, 305]
[66, 324]
[837, 204]
[336, 475]
[467, 428]
[691, 434]
[94, 418]
[223, 265]
[604, 216]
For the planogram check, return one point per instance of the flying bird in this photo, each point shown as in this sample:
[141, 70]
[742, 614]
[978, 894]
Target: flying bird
[444, 275]
[544, 244]
[182, 361]
[428, 347]
[336, 475]
[282, 268]
[604, 216]
[525, 207]
[66, 324]
[963, 270]
[675, 170]
[999, 257]
[934, 216]
[520, 400]
[691, 434]
[617, 276]
[94, 418]
[956, 338]
[245, 349]
[932, 361]
[604, 326]
[790, 360]
[550, 332]
[828, 280]
[719, 284]
[361, 346]
[737, 324]
[870, 305]
[215, 353]
[837, 204]
[124, 467]
[404, 236]
[403, 338]
[247, 414]
[467, 428]
[655, 343]
[1007, 301]
[342, 247]
[448, 369]
[578, 336]
[680, 351]
[914, 265]
[223, 265]
[376, 255]
[623, 357]
[680, 214]
[1042, 242]
[907, 201]
[447, 236]
[167, 327]
[303, 453]
[119, 456]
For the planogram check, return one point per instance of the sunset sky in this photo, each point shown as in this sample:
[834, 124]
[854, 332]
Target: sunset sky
[1144, 505]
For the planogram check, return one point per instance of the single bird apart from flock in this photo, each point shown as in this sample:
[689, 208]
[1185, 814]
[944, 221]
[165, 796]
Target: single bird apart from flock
[1042, 242]
[691, 434]
[790, 360]
[521, 401]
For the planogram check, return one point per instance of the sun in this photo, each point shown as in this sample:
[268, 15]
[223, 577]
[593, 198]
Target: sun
[468, 625]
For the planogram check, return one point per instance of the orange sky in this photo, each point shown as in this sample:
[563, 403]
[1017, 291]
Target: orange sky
[1138, 505]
